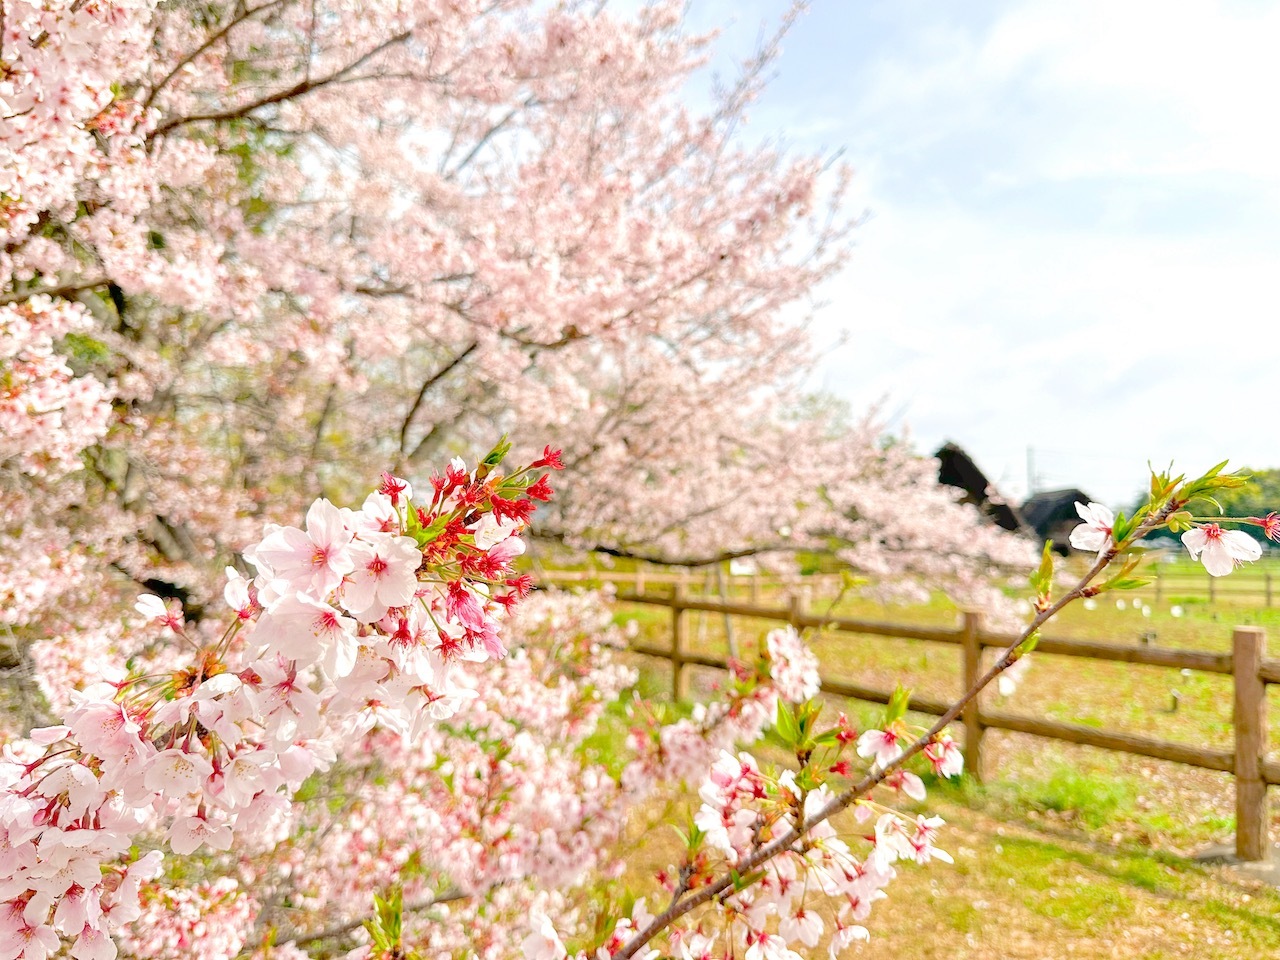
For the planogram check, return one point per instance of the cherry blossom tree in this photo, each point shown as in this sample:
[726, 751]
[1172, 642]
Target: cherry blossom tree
[357, 642]
[252, 252]
[246, 244]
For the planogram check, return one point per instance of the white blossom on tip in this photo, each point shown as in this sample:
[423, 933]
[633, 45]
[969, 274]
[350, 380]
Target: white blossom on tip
[542, 943]
[1095, 533]
[845, 937]
[1221, 551]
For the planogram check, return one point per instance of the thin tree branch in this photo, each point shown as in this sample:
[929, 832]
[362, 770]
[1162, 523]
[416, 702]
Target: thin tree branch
[337, 930]
[213, 38]
[846, 799]
[492, 132]
[430, 382]
[300, 89]
[704, 560]
[63, 290]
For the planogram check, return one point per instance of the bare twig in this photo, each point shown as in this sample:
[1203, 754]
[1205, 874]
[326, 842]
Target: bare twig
[299, 89]
[430, 382]
[63, 290]
[213, 38]
[339, 929]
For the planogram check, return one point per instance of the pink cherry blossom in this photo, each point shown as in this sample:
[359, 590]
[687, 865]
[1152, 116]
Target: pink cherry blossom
[1095, 533]
[844, 937]
[314, 560]
[882, 745]
[794, 667]
[542, 943]
[189, 834]
[385, 576]
[301, 628]
[1221, 551]
[945, 756]
[177, 773]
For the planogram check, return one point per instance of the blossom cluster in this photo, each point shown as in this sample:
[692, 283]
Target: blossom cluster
[48, 415]
[363, 618]
[505, 806]
[795, 895]
[785, 898]
[1221, 551]
[794, 667]
[681, 751]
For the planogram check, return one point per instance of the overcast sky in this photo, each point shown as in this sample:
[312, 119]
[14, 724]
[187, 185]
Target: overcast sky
[1073, 240]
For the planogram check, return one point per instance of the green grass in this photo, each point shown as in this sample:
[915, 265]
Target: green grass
[1065, 851]
[1090, 797]
[1167, 805]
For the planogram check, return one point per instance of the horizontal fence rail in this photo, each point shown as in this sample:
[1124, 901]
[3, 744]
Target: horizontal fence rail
[1247, 665]
[1258, 585]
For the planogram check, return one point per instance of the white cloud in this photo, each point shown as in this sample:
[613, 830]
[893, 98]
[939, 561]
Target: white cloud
[1073, 240]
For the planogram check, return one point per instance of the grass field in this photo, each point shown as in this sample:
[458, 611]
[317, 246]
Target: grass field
[1040, 892]
[1170, 806]
[1065, 851]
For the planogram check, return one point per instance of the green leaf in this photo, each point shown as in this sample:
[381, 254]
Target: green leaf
[827, 738]
[425, 535]
[897, 707]
[1121, 528]
[1042, 579]
[1128, 583]
[785, 724]
[386, 924]
[741, 882]
[808, 713]
[498, 453]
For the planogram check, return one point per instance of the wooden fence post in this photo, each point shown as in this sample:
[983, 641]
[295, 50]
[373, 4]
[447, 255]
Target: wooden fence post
[677, 642]
[972, 652]
[731, 642]
[1248, 646]
[795, 606]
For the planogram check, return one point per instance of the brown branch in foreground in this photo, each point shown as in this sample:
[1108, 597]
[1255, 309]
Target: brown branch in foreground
[766, 853]
[338, 929]
[43, 37]
[63, 290]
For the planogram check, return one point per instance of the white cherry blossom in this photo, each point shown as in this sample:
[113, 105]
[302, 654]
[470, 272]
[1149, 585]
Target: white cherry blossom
[1221, 551]
[1095, 533]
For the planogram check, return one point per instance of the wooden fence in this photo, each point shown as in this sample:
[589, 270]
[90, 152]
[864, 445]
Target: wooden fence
[1254, 586]
[704, 581]
[1247, 665]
